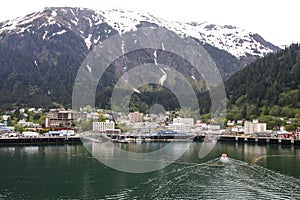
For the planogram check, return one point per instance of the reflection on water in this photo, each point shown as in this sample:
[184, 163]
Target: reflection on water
[137, 160]
[70, 172]
[30, 150]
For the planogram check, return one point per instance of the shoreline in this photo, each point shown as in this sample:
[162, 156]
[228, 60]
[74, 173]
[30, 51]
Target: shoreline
[41, 140]
[260, 140]
[221, 139]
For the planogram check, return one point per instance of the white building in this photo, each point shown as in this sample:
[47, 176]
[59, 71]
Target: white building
[24, 123]
[180, 127]
[201, 126]
[103, 126]
[213, 127]
[93, 116]
[239, 121]
[188, 121]
[254, 127]
[230, 123]
[30, 134]
[237, 129]
[143, 127]
[5, 117]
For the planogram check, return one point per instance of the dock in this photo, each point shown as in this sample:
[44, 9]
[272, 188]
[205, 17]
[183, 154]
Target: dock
[260, 140]
[41, 140]
[156, 138]
[200, 138]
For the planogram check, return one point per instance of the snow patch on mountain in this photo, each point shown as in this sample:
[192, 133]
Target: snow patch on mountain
[89, 68]
[124, 20]
[45, 35]
[236, 41]
[88, 41]
[155, 58]
[59, 33]
[163, 78]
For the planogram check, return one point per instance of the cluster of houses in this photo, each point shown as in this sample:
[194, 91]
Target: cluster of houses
[256, 129]
[137, 123]
[63, 122]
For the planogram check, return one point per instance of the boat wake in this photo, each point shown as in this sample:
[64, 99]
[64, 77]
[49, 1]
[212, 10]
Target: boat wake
[216, 180]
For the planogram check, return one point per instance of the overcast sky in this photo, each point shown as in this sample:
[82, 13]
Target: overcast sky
[277, 21]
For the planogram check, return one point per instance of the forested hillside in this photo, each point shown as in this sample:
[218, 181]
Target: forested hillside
[269, 86]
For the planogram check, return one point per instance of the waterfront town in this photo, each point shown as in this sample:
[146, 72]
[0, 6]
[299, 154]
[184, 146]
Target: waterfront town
[35, 123]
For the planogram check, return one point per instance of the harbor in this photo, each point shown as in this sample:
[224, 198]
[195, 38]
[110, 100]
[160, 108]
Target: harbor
[156, 138]
[201, 138]
[260, 140]
[153, 138]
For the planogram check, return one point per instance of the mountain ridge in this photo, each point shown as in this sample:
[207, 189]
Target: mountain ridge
[41, 52]
[234, 40]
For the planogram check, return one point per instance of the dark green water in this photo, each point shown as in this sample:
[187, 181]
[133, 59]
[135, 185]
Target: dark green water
[70, 172]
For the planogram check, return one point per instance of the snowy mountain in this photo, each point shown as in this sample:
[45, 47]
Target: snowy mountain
[40, 53]
[236, 41]
[233, 40]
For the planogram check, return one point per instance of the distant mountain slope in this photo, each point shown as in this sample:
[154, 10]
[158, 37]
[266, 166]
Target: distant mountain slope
[41, 52]
[272, 84]
[264, 80]
[269, 86]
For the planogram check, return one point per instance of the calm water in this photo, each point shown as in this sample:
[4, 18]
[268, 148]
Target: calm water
[70, 172]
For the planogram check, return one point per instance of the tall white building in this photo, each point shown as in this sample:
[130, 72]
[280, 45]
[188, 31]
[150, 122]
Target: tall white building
[181, 124]
[254, 127]
[180, 127]
[103, 126]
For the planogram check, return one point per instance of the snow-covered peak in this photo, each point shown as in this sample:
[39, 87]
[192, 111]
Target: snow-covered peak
[125, 20]
[18, 23]
[236, 41]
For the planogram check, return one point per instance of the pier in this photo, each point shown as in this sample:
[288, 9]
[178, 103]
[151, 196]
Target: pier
[198, 138]
[260, 140]
[41, 140]
[156, 138]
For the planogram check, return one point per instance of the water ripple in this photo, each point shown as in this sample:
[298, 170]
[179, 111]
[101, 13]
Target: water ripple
[237, 180]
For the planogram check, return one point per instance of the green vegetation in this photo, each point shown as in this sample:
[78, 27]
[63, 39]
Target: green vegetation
[268, 89]
[19, 128]
[269, 86]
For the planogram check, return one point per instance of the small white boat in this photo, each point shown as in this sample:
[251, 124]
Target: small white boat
[224, 158]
